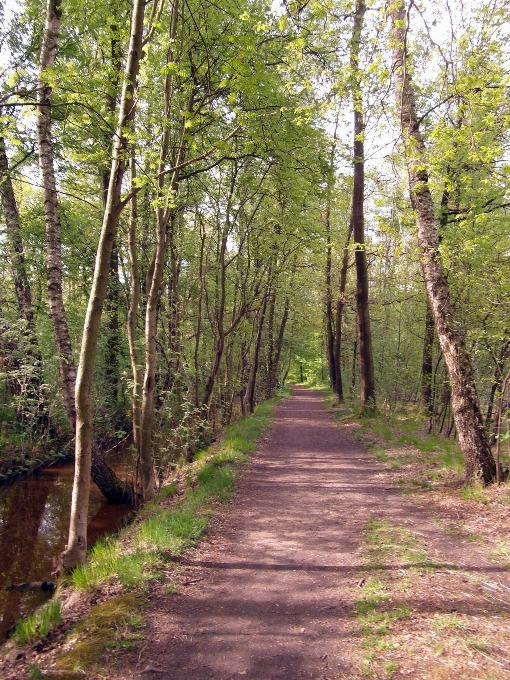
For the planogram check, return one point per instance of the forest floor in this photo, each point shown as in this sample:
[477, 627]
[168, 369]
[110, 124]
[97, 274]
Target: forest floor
[329, 564]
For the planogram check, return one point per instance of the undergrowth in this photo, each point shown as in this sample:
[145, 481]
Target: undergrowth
[402, 442]
[39, 624]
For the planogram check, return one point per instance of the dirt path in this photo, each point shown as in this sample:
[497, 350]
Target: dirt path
[268, 595]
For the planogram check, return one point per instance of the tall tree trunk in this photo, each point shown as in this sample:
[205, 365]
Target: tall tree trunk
[22, 289]
[478, 458]
[270, 347]
[427, 365]
[174, 326]
[340, 304]
[497, 381]
[199, 315]
[330, 338]
[112, 326]
[358, 221]
[281, 332]
[221, 299]
[77, 542]
[279, 344]
[220, 326]
[353, 370]
[427, 382]
[134, 270]
[112, 366]
[51, 212]
[250, 389]
[15, 242]
[163, 216]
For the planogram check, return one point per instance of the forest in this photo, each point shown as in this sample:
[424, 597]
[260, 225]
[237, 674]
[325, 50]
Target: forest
[203, 201]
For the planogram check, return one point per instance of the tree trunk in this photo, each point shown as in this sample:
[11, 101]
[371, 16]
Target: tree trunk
[221, 301]
[427, 365]
[358, 221]
[478, 459]
[340, 304]
[23, 294]
[134, 270]
[279, 344]
[270, 383]
[112, 326]
[353, 374]
[330, 338]
[106, 479]
[16, 250]
[77, 542]
[499, 363]
[199, 315]
[250, 389]
[51, 212]
[112, 367]
[163, 217]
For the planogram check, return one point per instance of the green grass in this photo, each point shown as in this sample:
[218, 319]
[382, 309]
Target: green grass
[377, 609]
[473, 493]
[38, 624]
[162, 531]
[386, 540]
[168, 491]
[112, 625]
[382, 429]
[105, 562]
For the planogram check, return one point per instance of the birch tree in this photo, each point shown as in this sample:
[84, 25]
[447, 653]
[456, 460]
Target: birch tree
[75, 552]
[478, 459]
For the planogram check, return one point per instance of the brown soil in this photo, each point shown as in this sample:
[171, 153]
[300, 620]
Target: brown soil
[270, 594]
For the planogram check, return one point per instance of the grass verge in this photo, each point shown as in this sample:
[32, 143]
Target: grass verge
[39, 624]
[423, 619]
[424, 462]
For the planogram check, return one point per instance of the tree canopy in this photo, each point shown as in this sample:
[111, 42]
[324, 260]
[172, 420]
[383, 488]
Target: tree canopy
[217, 198]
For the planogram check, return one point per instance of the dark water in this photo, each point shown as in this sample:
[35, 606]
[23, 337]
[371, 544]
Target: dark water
[34, 522]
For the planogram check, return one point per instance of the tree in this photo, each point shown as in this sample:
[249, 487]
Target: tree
[357, 219]
[51, 211]
[32, 385]
[472, 437]
[75, 552]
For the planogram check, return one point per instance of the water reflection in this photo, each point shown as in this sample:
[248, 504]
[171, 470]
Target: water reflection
[34, 521]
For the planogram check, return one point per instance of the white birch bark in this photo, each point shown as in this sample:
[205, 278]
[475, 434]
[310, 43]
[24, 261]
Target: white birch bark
[478, 459]
[75, 552]
[51, 212]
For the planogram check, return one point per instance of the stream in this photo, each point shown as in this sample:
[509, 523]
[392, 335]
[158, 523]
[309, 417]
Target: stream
[34, 523]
